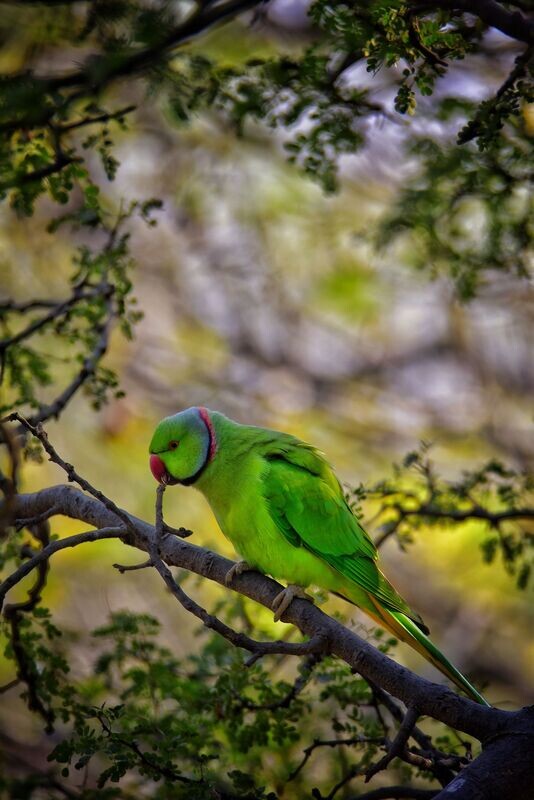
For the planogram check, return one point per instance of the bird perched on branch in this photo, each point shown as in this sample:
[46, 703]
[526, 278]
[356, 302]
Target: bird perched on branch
[278, 501]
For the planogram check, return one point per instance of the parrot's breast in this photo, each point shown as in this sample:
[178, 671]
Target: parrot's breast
[243, 514]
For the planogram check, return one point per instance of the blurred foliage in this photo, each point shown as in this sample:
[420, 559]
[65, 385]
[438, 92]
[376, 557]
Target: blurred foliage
[418, 498]
[199, 727]
[306, 92]
[468, 212]
[79, 326]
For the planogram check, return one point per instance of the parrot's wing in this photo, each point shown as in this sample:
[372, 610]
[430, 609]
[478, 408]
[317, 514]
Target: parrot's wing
[310, 511]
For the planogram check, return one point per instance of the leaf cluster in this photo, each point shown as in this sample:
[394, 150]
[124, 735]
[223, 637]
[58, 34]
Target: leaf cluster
[145, 720]
[369, 61]
[467, 213]
[496, 496]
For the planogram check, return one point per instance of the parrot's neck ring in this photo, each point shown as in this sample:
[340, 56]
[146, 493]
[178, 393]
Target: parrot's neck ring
[205, 417]
[212, 447]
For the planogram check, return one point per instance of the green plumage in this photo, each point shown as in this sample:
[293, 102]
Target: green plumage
[278, 501]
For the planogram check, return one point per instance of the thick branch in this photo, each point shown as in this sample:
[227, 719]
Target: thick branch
[325, 634]
[503, 770]
[509, 733]
[198, 22]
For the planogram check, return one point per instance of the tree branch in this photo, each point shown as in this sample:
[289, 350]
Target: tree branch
[131, 744]
[325, 634]
[105, 117]
[436, 761]
[503, 770]
[43, 555]
[58, 309]
[494, 518]
[39, 433]
[431, 699]
[512, 23]
[57, 165]
[398, 793]
[299, 685]
[8, 483]
[90, 363]
[13, 614]
[307, 752]
[397, 746]
[199, 21]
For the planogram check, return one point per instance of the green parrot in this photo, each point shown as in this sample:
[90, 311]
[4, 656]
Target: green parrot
[278, 501]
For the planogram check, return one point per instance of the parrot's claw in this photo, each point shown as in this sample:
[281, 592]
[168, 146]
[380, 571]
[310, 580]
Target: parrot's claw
[237, 569]
[283, 599]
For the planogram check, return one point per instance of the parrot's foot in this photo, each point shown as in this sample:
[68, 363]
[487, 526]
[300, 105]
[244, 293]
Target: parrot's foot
[283, 599]
[237, 569]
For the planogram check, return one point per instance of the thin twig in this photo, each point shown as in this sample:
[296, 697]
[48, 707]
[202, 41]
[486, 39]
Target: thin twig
[353, 740]
[413, 32]
[398, 744]
[13, 614]
[105, 117]
[299, 685]
[48, 551]
[131, 744]
[12, 306]
[122, 568]
[494, 518]
[58, 310]
[38, 174]
[352, 773]
[85, 81]
[8, 484]
[47, 411]
[10, 685]
[39, 432]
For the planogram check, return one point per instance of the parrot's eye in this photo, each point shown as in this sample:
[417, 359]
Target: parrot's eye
[173, 445]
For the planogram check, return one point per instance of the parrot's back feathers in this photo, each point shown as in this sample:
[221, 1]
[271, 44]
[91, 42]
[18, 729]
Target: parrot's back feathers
[307, 504]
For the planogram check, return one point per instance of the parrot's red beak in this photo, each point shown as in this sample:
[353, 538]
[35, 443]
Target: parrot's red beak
[158, 469]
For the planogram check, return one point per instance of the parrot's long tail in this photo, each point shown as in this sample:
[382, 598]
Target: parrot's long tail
[403, 628]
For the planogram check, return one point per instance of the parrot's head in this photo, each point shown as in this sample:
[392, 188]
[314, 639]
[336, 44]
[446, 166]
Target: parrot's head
[182, 446]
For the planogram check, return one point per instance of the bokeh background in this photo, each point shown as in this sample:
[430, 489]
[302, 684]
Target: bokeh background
[265, 299]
